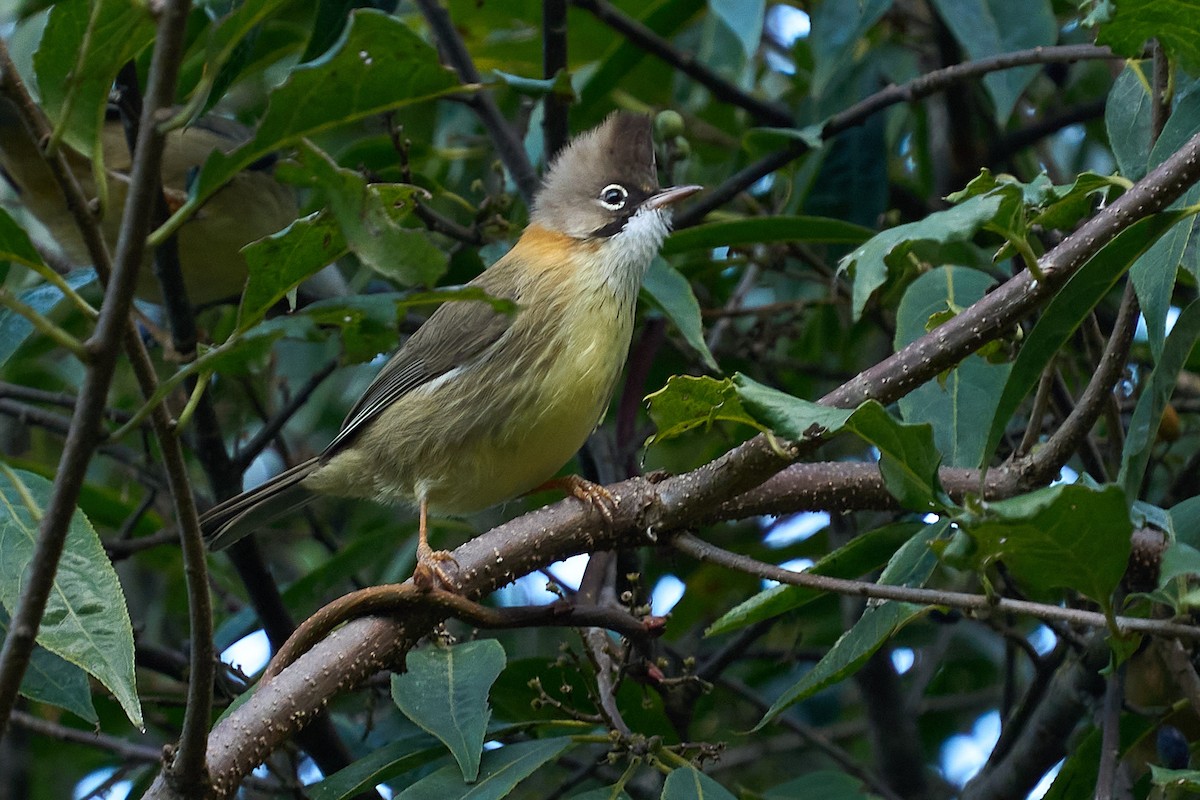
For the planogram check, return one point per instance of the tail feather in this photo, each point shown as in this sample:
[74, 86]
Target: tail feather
[238, 517]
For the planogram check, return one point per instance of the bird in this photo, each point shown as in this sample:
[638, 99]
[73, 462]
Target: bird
[482, 404]
[252, 205]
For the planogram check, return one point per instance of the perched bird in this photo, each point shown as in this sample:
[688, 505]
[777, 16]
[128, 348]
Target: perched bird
[252, 205]
[480, 406]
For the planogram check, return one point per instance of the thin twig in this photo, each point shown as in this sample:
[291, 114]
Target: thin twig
[858, 113]
[554, 61]
[697, 548]
[764, 112]
[62, 733]
[250, 451]
[508, 144]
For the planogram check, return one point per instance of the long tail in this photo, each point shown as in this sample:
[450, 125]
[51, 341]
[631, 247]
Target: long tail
[240, 516]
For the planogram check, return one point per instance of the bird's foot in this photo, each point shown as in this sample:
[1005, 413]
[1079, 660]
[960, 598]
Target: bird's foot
[432, 571]
[594, 495]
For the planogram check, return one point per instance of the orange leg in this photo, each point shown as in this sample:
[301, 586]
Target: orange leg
[592, 494]
[430, 571]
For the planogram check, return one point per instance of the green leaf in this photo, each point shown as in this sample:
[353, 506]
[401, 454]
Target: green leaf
[84, 45]
[445, 692]
[861, 555]
[224, 41]
[689, 783]
[15, 244]
[907, 456]
[689, 402]
[921, 240]
[1060, 537]
[377, 65]
[1068, 309]
[369, 217]
[672, 293]
[499, 773]
[1186, 780]
[910, 566]
[15, 329]
[836, 31]
[988, 28]
[282, 261]
[1156, 391]
[744, 18]
[1173, 22]
[393, 759]
[1178, 559]
[50, 679]
[1127, 120]
[603, 793]
[820, 785]
[955, 402]
[1185, 518]
[85, 621]
[760, 230]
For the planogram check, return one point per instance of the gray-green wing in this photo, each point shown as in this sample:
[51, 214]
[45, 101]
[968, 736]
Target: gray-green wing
[454, 334]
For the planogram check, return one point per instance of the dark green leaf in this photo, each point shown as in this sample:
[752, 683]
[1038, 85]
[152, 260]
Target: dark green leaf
[1061, 537]
[688, 783]
[1143, 426]
[377, 65]
[922, 239]
[910, 566]
[282, 261]
[1186, 780]
[861, 555]
[907, 457]
[1127, 120]
[988, 28]
[84, 45]
[744, 18]
[445, 690]
[1171, 22]
[955, 402]
[393, 759]
[1185, 518]
[603, 793]
[85, 621]
[672, 293]
[500, 771]
[50, 679]
[1068, 309]
[820, 785]
[836, 31]
[688, 402]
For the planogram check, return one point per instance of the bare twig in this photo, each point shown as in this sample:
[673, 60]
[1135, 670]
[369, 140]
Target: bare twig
[112, 744]
[554, 61]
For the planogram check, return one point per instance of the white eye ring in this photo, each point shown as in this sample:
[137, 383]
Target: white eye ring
[613, 196]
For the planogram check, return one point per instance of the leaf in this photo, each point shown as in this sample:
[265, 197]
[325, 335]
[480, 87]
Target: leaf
[1185, 780]
[955, 402]
[1127, 120]
[1172, 22]
[15, 329]
[603, 793]
[1178, 559]
[862, 554]
[744, 18]
[760, 230]
[224, 40]
[85, 621]
[369, 217]
[1060, 537]
[377, 65]
[84, 45]
[907, 457]
[987, 28]
[50, 679]
[279, 263]
[500, 771]
[393, 759]
[689, 783]
[1068, 309]
[836, 31]
[689, 402]
[672, 293]
[1156, 391]
[445, 692]
[820, 785]
[910, 566]
[922, 240]
[1185, 518]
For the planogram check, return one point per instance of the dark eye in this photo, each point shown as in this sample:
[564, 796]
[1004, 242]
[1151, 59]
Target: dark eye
[613, 196]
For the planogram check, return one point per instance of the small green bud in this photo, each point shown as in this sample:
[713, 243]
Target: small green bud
[667, 125]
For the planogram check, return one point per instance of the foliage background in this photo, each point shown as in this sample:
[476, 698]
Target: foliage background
[971, 174]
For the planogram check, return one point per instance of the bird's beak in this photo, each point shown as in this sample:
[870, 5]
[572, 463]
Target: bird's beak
[671, 195]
